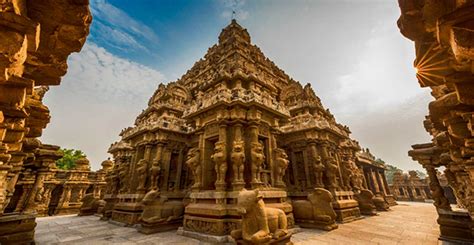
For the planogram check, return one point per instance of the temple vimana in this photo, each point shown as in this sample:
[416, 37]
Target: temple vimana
[235, 150]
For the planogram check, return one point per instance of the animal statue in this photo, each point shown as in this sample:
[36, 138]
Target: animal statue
[365, 198]
[316, 211]
[238, 160]
[281, 163]
[159, 211]
[89, 206]
[219, 158]
[258, 158]
[260, 225]
[193, 163]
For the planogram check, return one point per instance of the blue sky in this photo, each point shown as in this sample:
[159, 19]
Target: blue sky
[351, 52]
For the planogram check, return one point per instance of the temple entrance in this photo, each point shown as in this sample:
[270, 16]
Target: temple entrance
[55, 197]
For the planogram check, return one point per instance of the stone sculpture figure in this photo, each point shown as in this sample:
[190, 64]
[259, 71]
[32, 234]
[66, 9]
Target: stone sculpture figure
[260, 225]
[365, 198]
[238, 160]
[160, 214]
[331, 173]
[281, 163]
[154, 173]
[123, 173]
[316, 211]
[258, 158]
[193, 163]
[318, 167]
[357, 180]
[142, 170]
[115, 180]
[440, 201]
[219, 158]
[89, 206]
[347, 174]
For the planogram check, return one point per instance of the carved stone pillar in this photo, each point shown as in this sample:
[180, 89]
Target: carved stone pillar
[220, 157]
[238, 158]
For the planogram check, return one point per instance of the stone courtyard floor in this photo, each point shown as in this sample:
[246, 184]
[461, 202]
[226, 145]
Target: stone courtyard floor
[406, 223]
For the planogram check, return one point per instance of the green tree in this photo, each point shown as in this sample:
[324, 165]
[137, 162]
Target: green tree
[389, 170]
[68, 161]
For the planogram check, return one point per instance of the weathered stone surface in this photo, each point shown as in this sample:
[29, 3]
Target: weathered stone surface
[36, 37]
[443, 36]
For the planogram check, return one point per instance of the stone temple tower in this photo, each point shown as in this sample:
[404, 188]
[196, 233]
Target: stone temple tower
[234, 121]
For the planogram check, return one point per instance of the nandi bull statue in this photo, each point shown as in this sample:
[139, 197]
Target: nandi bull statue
[159, 213]
[260, 225]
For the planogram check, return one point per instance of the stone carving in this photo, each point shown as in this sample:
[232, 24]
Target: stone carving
[319, 168]
[281, 163]
[331, 173]
[159, 213]
[220, 161]
[124, 177]
[142, 171]
[155, 173]
[258, 158]
[365, 198]
[238, 160]
[193, 162]
[316, 211]
[90, 204]
[260, 225]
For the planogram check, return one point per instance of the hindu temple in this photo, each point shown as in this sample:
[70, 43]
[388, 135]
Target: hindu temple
[235, 136]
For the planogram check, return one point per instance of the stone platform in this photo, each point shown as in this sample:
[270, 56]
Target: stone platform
[406, 223]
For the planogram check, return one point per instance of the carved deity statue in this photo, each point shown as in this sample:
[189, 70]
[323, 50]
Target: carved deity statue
[142, 170]
[258, 158]
[281, 163]
[318, 167]
[238, 160]
[357, 180]
[123, 173]
[219, 158]
[155, 173]
[193, 163]
[331, 172]
[260, 225]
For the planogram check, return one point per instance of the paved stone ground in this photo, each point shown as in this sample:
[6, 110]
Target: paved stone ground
[407, 223]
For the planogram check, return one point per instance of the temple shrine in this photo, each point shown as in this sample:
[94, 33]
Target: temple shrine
[234, 130]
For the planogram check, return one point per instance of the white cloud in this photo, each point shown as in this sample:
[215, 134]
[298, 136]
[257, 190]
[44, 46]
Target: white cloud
[234, 6]
[100, 95]
[115, 27]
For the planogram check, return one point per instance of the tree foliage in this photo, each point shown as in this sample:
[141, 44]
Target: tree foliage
[389, 170]
[68, 161]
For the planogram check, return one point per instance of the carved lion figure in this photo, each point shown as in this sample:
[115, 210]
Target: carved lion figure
[259, 223]
[219, 158]
[281, 163]
[238, 159]
[258, 158]
[193, 163]
[316, 211]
